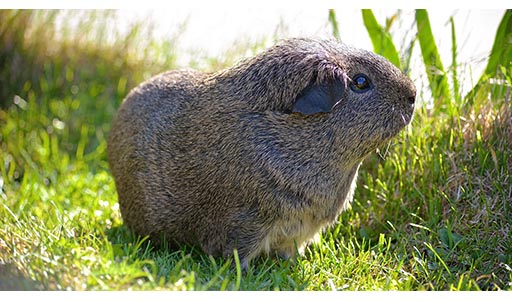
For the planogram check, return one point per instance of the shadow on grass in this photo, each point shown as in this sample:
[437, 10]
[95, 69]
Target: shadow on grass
[11, 279]
[173, 263]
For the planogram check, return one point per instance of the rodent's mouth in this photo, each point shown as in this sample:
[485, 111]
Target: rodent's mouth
[399, 118]
[405, 114]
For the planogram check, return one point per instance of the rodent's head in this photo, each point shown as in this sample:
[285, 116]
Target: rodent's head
[352, 94]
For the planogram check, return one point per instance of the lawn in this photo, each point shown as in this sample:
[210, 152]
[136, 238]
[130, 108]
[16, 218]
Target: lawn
[432, 211]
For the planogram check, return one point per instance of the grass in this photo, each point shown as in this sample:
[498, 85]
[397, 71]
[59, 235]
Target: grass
[431, 212]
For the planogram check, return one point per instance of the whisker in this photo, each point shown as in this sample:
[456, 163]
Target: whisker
[403, 118]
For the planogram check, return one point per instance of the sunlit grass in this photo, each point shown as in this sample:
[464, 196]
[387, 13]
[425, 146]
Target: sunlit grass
[432, 211]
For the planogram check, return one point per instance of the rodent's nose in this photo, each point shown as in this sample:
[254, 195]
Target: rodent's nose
[411, 98]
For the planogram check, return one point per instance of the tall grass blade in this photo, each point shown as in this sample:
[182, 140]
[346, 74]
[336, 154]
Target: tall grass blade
[456, 85]
[501, 55]
[238, 270]
[334, 24]
[432, 60]
[381, 39]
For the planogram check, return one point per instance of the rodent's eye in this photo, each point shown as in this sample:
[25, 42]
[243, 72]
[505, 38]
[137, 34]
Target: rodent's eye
[360, 83]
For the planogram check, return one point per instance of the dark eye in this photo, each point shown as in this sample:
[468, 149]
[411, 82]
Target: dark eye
[360, 83]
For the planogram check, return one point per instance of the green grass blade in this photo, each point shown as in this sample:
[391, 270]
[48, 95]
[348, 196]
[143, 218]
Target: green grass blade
[501, 54]
[456, 85]
[381, 39]
[431, 58]
[334, 24]
[238, 270]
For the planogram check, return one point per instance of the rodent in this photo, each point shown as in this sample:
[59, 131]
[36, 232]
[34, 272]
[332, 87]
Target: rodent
[258, 157]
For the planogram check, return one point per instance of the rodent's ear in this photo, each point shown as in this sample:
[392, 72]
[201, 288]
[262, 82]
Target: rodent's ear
[319, 98]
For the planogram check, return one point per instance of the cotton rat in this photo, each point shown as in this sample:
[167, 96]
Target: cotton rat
[259, 157]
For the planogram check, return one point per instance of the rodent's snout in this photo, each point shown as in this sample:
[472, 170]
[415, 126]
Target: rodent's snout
[408, 99]
[408, 90]
[409, 93]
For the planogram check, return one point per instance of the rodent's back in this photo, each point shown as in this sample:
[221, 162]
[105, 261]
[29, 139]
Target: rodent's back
[135, 146]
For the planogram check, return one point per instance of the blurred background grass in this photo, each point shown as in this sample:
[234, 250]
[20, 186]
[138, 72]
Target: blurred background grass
[75, 80]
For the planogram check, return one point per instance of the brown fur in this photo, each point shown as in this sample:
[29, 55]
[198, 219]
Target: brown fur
[220, 161]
